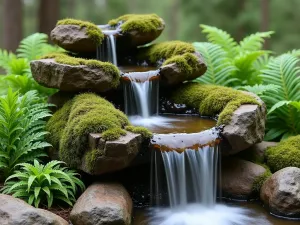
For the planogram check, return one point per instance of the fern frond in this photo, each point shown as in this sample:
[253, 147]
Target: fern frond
[254, 42]
[5, 58]
[219, 67]
[221, 38]
[260, 89]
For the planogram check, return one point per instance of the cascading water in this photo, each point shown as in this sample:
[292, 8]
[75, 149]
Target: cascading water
[190, 172]
[108, 50]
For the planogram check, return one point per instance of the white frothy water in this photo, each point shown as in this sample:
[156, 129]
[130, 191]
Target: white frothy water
[152, 121]
[142, 90]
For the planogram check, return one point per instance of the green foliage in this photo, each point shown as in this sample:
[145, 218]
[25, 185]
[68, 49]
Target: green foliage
[106, 67]
[17, 67]
[219, 68]
[283, 118]
[260, 89]
[238, 63]
[140, 130]
[92, 30]
[212, 100]
[285, 154]
[21, 129]
[38, 183]
[140, 22]
[86, 113]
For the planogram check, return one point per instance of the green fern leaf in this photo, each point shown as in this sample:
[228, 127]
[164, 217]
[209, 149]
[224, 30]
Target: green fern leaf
[254, 42]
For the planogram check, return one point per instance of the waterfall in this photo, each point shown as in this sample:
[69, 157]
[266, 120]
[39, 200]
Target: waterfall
[141, 93]
[107, 51]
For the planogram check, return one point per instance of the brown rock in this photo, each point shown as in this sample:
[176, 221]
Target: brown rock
[73, 38]
[281, 192]
[70, 78]
[14, 211]
[171, 74]
[110, 156]
[238, 177]
[247, 127]
[103, 203]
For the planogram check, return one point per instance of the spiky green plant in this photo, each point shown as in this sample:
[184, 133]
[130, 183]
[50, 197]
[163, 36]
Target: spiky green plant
[17, 66]
[21, 129]
[38, 183]
[231, 63]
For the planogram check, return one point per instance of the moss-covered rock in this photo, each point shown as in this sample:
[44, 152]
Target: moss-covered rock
[113, 148]
[72, 74]
[138, 22]
[77, 35]
[242, 114]
[139, 130]
[285, 154]
[259, 181]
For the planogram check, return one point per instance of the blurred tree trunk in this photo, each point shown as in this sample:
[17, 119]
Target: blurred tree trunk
[265, 19]
[48, 15]
[12, 24]
[174, 19]
[241, 30]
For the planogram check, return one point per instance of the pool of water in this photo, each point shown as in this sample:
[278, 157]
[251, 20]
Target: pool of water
[165, 124]
[244, 213]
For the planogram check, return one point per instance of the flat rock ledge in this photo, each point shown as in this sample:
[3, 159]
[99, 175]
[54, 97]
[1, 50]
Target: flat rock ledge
[172, 74]
[238, 177]
[281, 192]
[109, 156]
[14, 211]
[103, 204]
[51, 74]
[247, 127]
[73, 38]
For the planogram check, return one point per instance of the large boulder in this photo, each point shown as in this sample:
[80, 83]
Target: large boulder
[108, 156]
[14, 211]
[73, 78]
[281, 192]
[73, 38]
[247, 126]
[103, 204]
[239, 178]
[172, 73]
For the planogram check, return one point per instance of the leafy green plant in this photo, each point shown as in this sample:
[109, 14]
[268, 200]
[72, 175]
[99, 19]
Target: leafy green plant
[22, 129]
[38, 183]
[283, 104]
[239, 63]
[17, 67]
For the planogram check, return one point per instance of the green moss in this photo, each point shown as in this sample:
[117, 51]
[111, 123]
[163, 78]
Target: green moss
[187, 62]
[108, 68]
[212, 100]
[91, 158]
[113, 134]
[167, 50]
[139, 130]
[259, 181]
[57, 123]
[140, 22]
[92, 30]
[285, 154]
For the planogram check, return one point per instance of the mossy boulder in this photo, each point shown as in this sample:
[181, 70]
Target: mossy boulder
[72, 74]
[178, 61]
[240, 178]
[285, 154]
[90, 134]
[137, 29]
[280, 192]
[242, 114]
[77, 35]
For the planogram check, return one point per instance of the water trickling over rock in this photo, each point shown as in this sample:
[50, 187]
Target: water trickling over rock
[107, 51]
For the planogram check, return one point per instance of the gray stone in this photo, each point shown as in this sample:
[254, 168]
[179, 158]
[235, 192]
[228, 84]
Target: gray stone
[71, 78]
[14, 211]
[109, 156]
[246, 128]
[171, 74]
[73, 38]
[103, 204]
[281, 192]
[238, 177]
